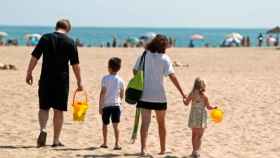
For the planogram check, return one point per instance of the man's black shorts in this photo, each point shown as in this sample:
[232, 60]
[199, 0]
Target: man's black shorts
[113, 112]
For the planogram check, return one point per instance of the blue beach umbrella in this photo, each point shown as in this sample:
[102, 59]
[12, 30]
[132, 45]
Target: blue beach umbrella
[132, 40]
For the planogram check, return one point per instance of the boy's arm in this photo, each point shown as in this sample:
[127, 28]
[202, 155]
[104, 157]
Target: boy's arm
[101, 99]
[122, 90]
[122, 94]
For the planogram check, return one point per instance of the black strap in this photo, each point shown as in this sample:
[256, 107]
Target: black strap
[142, 62]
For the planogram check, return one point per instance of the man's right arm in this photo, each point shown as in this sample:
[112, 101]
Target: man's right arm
[77, 72]
[31, 66]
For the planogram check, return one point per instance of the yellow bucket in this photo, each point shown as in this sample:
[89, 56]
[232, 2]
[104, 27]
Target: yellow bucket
[80, 107]
[217, 115]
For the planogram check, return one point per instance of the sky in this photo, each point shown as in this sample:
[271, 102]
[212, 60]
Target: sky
[143, 13]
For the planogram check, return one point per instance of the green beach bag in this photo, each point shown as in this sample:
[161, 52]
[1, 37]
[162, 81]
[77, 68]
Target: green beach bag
[135, 86]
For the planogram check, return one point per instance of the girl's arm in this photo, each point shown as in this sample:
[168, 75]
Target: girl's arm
[175, 81]
[207, 104]
[101, 99]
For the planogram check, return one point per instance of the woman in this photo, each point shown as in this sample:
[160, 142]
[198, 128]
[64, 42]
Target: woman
[157, 65]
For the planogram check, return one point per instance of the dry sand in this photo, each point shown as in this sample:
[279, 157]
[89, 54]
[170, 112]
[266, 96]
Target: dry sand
[245, 83]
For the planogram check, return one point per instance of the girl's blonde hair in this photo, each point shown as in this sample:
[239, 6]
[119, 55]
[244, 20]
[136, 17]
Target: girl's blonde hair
[199, 85]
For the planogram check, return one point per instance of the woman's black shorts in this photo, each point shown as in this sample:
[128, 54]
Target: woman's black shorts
[151, 106]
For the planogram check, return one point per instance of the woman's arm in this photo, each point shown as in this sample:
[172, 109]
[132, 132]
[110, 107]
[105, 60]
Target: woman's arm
[175, 81]
[77, 72]
[32, 64]
[101, 99]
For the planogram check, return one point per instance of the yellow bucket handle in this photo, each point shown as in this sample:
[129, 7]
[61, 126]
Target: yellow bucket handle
[75, 93]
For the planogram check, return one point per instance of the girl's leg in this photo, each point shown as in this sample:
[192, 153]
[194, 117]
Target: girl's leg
[146, 119]
[160, 114]
[194, 140]
[200, 134]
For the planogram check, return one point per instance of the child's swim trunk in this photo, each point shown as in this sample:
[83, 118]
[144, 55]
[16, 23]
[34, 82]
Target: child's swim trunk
[111, 112]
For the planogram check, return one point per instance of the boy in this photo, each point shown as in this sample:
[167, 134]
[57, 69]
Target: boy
[111, 94]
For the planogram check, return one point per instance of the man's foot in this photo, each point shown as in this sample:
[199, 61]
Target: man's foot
[104, 146]
[59, 144]
[42, 138]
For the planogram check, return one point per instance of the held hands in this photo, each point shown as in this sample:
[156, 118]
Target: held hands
[185, 100]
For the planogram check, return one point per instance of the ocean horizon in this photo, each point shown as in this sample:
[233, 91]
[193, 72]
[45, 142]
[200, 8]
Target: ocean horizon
[96, 36]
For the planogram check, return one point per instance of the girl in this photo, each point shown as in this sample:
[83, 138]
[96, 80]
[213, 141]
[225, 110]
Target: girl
[198, 114]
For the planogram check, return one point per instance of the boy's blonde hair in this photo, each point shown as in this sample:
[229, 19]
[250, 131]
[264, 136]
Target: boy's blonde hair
[199, 85]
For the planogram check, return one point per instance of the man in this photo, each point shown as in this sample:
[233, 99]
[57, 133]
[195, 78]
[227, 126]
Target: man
[57, 50]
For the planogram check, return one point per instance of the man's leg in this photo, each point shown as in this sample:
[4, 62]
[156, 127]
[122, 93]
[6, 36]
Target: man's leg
[57, 125]
[43, 119]
[43, 116]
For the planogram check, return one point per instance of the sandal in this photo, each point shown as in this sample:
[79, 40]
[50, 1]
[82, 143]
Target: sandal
[42, 138]
[117, 148]
[58, 145]
[104, 146]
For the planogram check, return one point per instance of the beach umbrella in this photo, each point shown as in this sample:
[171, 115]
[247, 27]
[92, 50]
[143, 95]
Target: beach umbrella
[132, 40]
[35, 35]
[148, 36]
[3, 34]
[275, 30]
[235, 36]
[197, 37]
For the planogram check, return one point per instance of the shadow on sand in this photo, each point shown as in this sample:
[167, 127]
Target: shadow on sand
[75, 149]
[18, 147]
[98, 156]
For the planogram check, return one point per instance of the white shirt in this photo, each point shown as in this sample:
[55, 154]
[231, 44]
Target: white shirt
[113, 85]
[156, 67]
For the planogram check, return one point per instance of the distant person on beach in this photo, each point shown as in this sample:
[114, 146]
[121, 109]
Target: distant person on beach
[157, 65]
[111, 96]
[248, 41]
[191, 45]
[114, 42]
[198, 114]
[57, 50]
[260, 40]
[277, 41]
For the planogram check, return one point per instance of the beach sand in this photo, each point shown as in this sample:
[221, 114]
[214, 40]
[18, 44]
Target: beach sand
[245, 83]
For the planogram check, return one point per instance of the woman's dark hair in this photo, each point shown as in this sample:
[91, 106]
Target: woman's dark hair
[63, 24]
[159, 44]
[115, 64]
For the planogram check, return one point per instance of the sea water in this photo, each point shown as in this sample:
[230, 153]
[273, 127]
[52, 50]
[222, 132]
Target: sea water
[96, 36]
